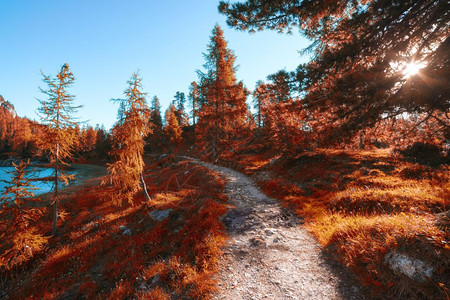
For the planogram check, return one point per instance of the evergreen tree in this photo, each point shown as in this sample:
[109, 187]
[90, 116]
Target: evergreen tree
[102, 144]
[194, 96]
[57, 113]
[260, 99]
[18, 233]
[223, 114]
[155, 137]
[126, 173]
[281, 124]
[172, 129]
[179, 103]
[362, 51]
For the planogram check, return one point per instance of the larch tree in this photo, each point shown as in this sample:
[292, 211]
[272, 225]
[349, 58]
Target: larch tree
[126, 173]
[57, 113]
[372, 59]
[18, 233]
[172, 129]
[223, 115]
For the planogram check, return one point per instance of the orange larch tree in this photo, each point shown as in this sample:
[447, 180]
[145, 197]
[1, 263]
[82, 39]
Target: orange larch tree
[126, 173]
[57, 113]
[223, 115]
[172, 129]
[18, 234]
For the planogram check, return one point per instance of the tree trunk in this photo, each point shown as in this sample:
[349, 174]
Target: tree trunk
[55, 196]
[144, 188]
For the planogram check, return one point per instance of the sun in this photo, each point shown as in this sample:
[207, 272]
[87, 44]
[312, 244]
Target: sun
[412, 69]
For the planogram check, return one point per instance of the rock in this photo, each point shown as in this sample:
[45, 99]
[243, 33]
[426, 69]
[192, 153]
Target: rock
[7, 106]
[257, 241]
[269, 232]
[127, 232]
[412, 267]
[122, 227]
[159, 215]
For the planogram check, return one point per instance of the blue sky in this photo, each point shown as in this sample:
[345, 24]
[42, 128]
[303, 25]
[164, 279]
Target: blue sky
[104, 42]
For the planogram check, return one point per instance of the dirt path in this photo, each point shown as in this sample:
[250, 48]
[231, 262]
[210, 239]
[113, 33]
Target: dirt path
[269, 255]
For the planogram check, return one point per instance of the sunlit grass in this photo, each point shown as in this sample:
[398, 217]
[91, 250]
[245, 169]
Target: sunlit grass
[361, 205]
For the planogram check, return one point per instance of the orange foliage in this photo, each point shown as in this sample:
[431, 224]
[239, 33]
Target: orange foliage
[114, 253]
[362, 205]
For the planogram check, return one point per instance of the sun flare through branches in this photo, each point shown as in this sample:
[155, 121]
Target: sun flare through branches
[413, 68]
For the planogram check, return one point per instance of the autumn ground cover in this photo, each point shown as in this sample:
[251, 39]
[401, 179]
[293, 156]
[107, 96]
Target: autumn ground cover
[109, 252]
[364, 208]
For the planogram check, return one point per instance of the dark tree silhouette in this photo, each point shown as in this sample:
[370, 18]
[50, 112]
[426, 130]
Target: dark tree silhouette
[155, 138]
[194, 97]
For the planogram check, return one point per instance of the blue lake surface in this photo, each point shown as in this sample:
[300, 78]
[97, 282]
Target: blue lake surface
[81, 172]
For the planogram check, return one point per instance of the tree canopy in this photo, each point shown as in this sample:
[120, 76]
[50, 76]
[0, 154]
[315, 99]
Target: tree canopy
[223, 111]
[125, 174]
[361, 53]
[57, 112]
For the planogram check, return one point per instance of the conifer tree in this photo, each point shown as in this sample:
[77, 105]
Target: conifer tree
[126, 173]
[194, 96]
[18, 233]
[102, 144]
[362, 51]
[260, 98]
[179, 103]
[223, 114]
[57, 113]
[172, 129]
[155, 138]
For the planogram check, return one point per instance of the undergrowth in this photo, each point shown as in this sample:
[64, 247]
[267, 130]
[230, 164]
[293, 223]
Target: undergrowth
[109, 252]
[364, 207]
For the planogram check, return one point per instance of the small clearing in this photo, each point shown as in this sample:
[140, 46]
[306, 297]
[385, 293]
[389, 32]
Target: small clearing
[269, 255]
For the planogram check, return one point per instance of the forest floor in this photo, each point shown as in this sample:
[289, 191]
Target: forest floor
[382, 215]
[324, 225]
[269, 255]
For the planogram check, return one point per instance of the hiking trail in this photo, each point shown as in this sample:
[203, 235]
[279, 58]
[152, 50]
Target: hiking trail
[269, 255]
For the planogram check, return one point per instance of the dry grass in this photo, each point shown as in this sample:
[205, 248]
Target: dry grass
[93, 257]
[362, 205]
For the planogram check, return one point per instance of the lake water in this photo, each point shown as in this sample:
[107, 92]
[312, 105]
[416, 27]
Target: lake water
[81, 172]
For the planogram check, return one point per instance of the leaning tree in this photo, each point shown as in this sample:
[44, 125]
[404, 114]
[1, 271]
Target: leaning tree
[129, 132]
